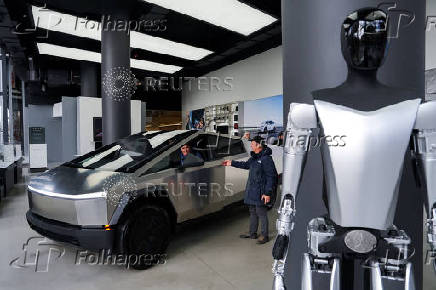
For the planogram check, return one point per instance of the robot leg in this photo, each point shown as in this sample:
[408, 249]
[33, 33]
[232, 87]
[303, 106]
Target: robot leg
[394, 266]
[409, 281]
[376, 277]
[335, 278]
[309, 266]
[306, 277]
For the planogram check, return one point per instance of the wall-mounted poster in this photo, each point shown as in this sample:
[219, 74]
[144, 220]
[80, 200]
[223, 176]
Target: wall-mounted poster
[263, 117]
[196, 120]
[430, 84]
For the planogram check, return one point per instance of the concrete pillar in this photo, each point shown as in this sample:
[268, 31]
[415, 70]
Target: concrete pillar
[312, 60]
[11, 102]
[115, 64]
[25, 121]
[4, 100]
[88, 79]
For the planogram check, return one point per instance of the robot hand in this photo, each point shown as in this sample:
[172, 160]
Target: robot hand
[424, 153]
[431, 238]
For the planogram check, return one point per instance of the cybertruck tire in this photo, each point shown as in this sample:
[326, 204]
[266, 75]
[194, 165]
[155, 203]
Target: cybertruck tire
[146, 237]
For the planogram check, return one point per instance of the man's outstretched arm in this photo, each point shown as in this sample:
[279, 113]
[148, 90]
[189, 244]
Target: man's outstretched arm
[238, 164]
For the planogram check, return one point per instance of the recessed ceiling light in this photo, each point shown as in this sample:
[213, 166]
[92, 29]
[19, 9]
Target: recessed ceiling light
[81, 27]
[230, 14]
[86, 55]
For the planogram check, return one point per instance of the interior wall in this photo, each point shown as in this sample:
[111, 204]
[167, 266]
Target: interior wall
[42, 116]
[69, 128]
[87, 109]
[256, 77]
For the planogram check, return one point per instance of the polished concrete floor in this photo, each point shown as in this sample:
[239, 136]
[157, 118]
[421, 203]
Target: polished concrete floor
[203, 255]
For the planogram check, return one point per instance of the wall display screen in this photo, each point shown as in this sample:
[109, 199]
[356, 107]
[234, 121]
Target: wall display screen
[196, 120]
[263, 117]
[37, 135]
[97, 129]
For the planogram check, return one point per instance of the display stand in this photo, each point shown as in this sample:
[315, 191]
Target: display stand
[37, 149]
[7, 170]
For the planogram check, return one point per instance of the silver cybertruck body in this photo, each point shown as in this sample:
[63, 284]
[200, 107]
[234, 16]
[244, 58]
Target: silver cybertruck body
[86, 201]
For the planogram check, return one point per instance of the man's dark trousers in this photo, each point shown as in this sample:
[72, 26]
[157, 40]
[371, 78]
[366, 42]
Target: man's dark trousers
[258, 212]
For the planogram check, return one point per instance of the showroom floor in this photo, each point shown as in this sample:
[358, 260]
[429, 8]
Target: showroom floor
[204, 255]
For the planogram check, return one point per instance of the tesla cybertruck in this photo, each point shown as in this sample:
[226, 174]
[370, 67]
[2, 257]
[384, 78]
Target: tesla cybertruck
[127, 197]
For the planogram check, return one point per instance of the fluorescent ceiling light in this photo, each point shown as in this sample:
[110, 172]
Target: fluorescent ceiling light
[80, 54]
[81, 27]
[230, 14]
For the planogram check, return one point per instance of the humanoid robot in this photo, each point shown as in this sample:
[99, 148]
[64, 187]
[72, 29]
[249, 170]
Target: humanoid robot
[378, 124]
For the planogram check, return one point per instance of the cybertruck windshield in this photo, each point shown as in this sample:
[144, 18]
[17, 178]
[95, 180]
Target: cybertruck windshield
[130, 153]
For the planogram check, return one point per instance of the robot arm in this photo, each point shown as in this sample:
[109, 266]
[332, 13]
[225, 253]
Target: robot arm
[301, 120]
[424, 151]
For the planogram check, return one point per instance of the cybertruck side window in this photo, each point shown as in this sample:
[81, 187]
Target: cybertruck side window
[130, 153]
[199, 146]
[228, 147]
[159, 166]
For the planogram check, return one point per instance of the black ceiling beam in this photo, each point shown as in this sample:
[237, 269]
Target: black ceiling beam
[271, 7]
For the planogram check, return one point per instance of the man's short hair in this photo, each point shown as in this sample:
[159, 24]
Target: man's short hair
[258, 140]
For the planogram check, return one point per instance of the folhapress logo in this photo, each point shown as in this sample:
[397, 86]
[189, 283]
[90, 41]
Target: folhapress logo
[38, 253]
[397, 18]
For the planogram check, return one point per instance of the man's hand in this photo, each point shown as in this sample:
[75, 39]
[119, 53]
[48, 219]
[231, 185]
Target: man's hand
[266, 198]
[227, 163]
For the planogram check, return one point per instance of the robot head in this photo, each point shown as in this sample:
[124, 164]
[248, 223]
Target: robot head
[364, 38]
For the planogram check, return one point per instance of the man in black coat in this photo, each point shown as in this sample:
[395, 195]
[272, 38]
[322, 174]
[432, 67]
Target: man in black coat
[261, 187]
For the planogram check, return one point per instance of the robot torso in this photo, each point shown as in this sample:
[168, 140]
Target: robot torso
[363, 174]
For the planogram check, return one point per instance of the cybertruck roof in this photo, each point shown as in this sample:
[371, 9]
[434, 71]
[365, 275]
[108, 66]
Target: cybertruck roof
[130, 153]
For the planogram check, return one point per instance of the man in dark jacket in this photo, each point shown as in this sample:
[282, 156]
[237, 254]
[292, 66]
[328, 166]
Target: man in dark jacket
[261, 187]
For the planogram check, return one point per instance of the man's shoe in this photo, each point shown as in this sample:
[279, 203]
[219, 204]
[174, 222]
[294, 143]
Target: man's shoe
[250, 236]
[262, 240]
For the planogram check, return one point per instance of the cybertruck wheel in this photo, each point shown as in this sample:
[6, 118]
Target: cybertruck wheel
[146, 237]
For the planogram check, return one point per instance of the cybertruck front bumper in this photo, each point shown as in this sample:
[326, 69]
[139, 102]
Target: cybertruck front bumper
[91, 238]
